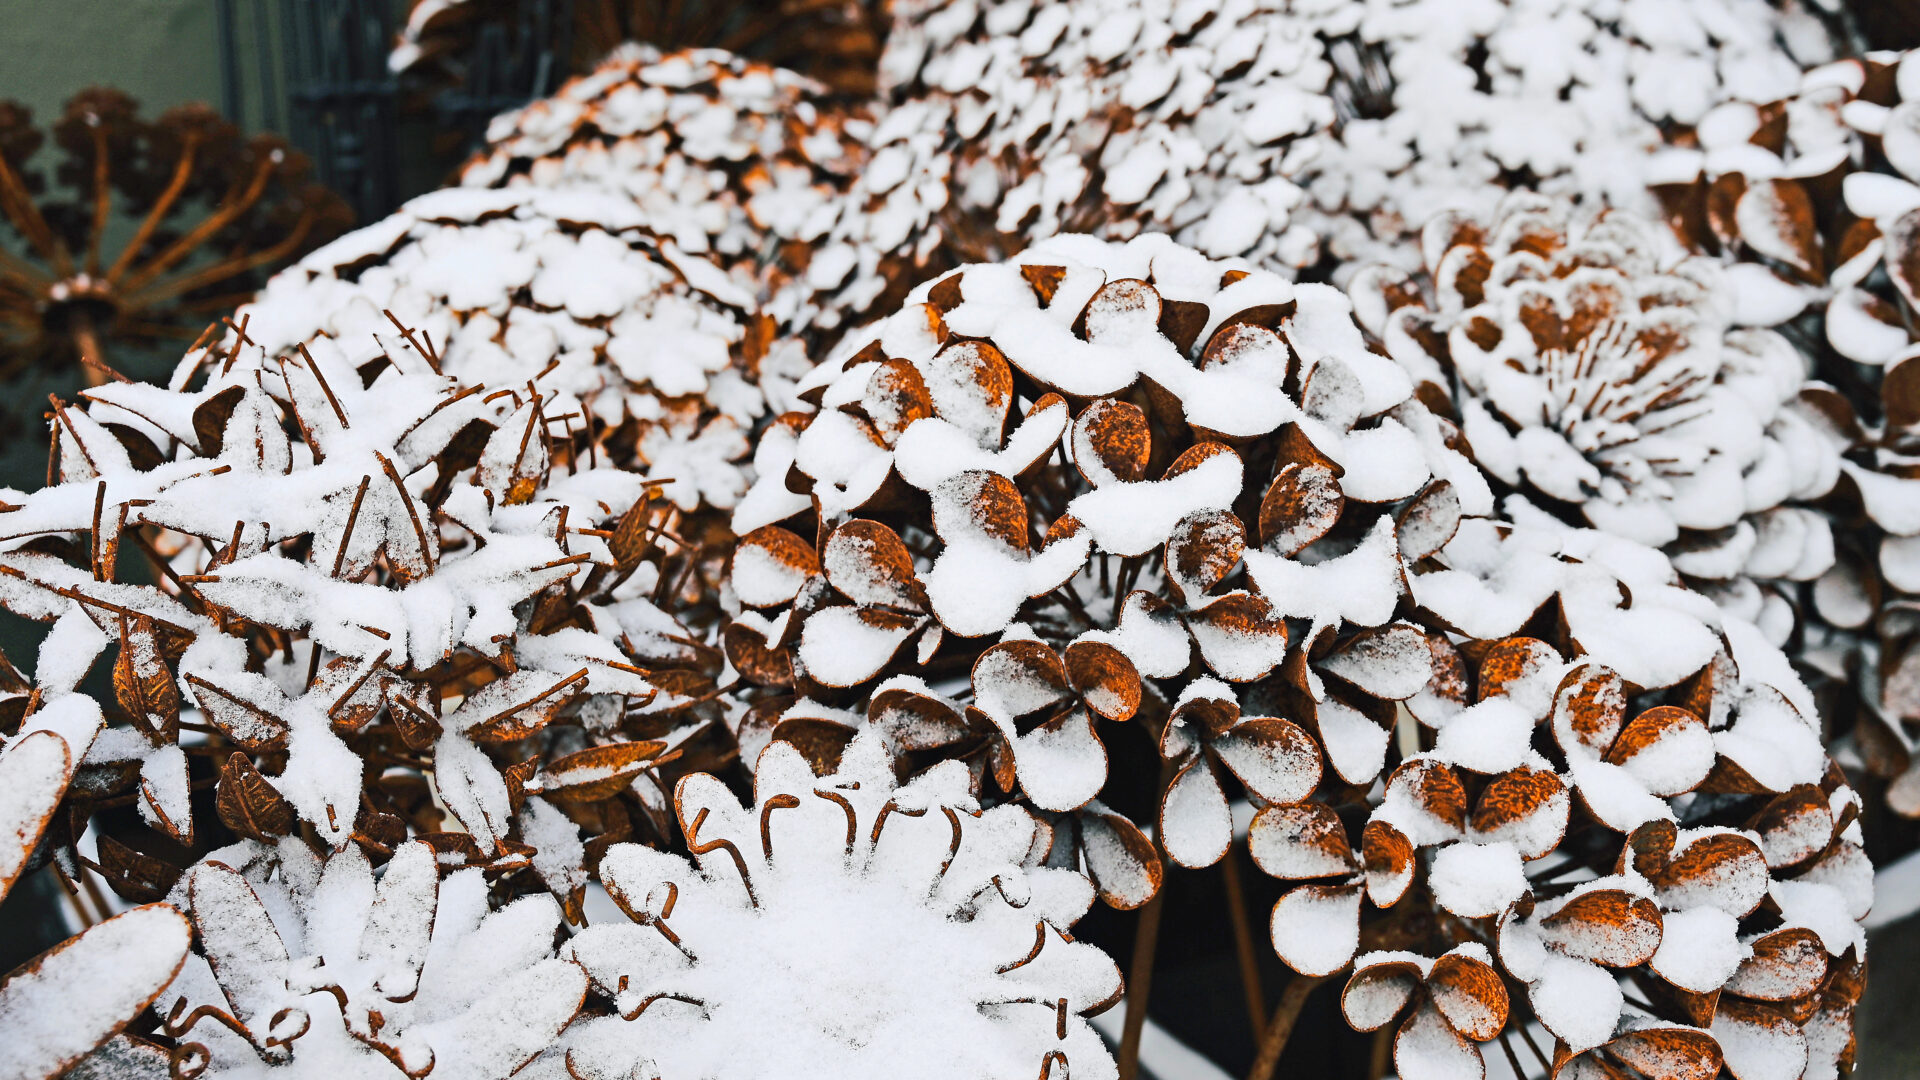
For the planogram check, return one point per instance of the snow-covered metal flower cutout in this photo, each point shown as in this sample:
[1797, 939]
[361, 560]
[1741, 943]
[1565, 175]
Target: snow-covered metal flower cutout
[1566, 951]
[1276, 761]
[1596, 376]
[312, 962]
[1449, 1004]
[809, 933]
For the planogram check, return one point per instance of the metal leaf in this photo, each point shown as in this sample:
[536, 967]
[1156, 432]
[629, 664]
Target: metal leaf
[142, 684]
[135, 875]
[249, 804]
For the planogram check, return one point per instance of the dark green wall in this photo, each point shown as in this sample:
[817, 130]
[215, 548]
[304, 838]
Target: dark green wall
[163, 52]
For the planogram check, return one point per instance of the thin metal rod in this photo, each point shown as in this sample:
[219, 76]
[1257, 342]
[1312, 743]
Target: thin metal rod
[1243, 942]
[1285, 1014]
[1146, 938]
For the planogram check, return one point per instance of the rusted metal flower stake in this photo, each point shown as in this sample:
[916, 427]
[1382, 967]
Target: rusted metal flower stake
[68, 300]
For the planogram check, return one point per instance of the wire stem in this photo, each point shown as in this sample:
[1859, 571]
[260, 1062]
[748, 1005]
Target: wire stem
[1146, 937]
[1285, 1014]
[1243, 943]
[87, 340]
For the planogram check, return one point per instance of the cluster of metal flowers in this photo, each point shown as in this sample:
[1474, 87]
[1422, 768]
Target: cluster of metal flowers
[1813, 201]
[1107, 486]
[398, 660]
[484, 561]
[1103, 492]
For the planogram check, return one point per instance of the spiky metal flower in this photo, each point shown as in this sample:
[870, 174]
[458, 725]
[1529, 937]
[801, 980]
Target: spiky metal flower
[834, 41]
[308, 966]
[843, 926]
[1010, 122]
[213, 213]
[1606, 382]
[384, 598]
[721, 155]
[1444, 108]
[654, 354]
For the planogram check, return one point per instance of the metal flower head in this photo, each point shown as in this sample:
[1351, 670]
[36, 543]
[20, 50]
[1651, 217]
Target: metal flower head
[1104, 479]
[309, 965]
[372, 612]
[1010, 122]
[651, 353]
[843, 926]
[1603, 380]
[837, 42]
[214, 213]
[1442, 108]
[722, 155]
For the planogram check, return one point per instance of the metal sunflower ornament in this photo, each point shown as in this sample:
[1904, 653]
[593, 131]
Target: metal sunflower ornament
[211, 213]
[842, 926]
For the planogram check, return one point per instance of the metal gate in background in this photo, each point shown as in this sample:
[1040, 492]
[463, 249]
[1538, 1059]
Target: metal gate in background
[316, 71]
